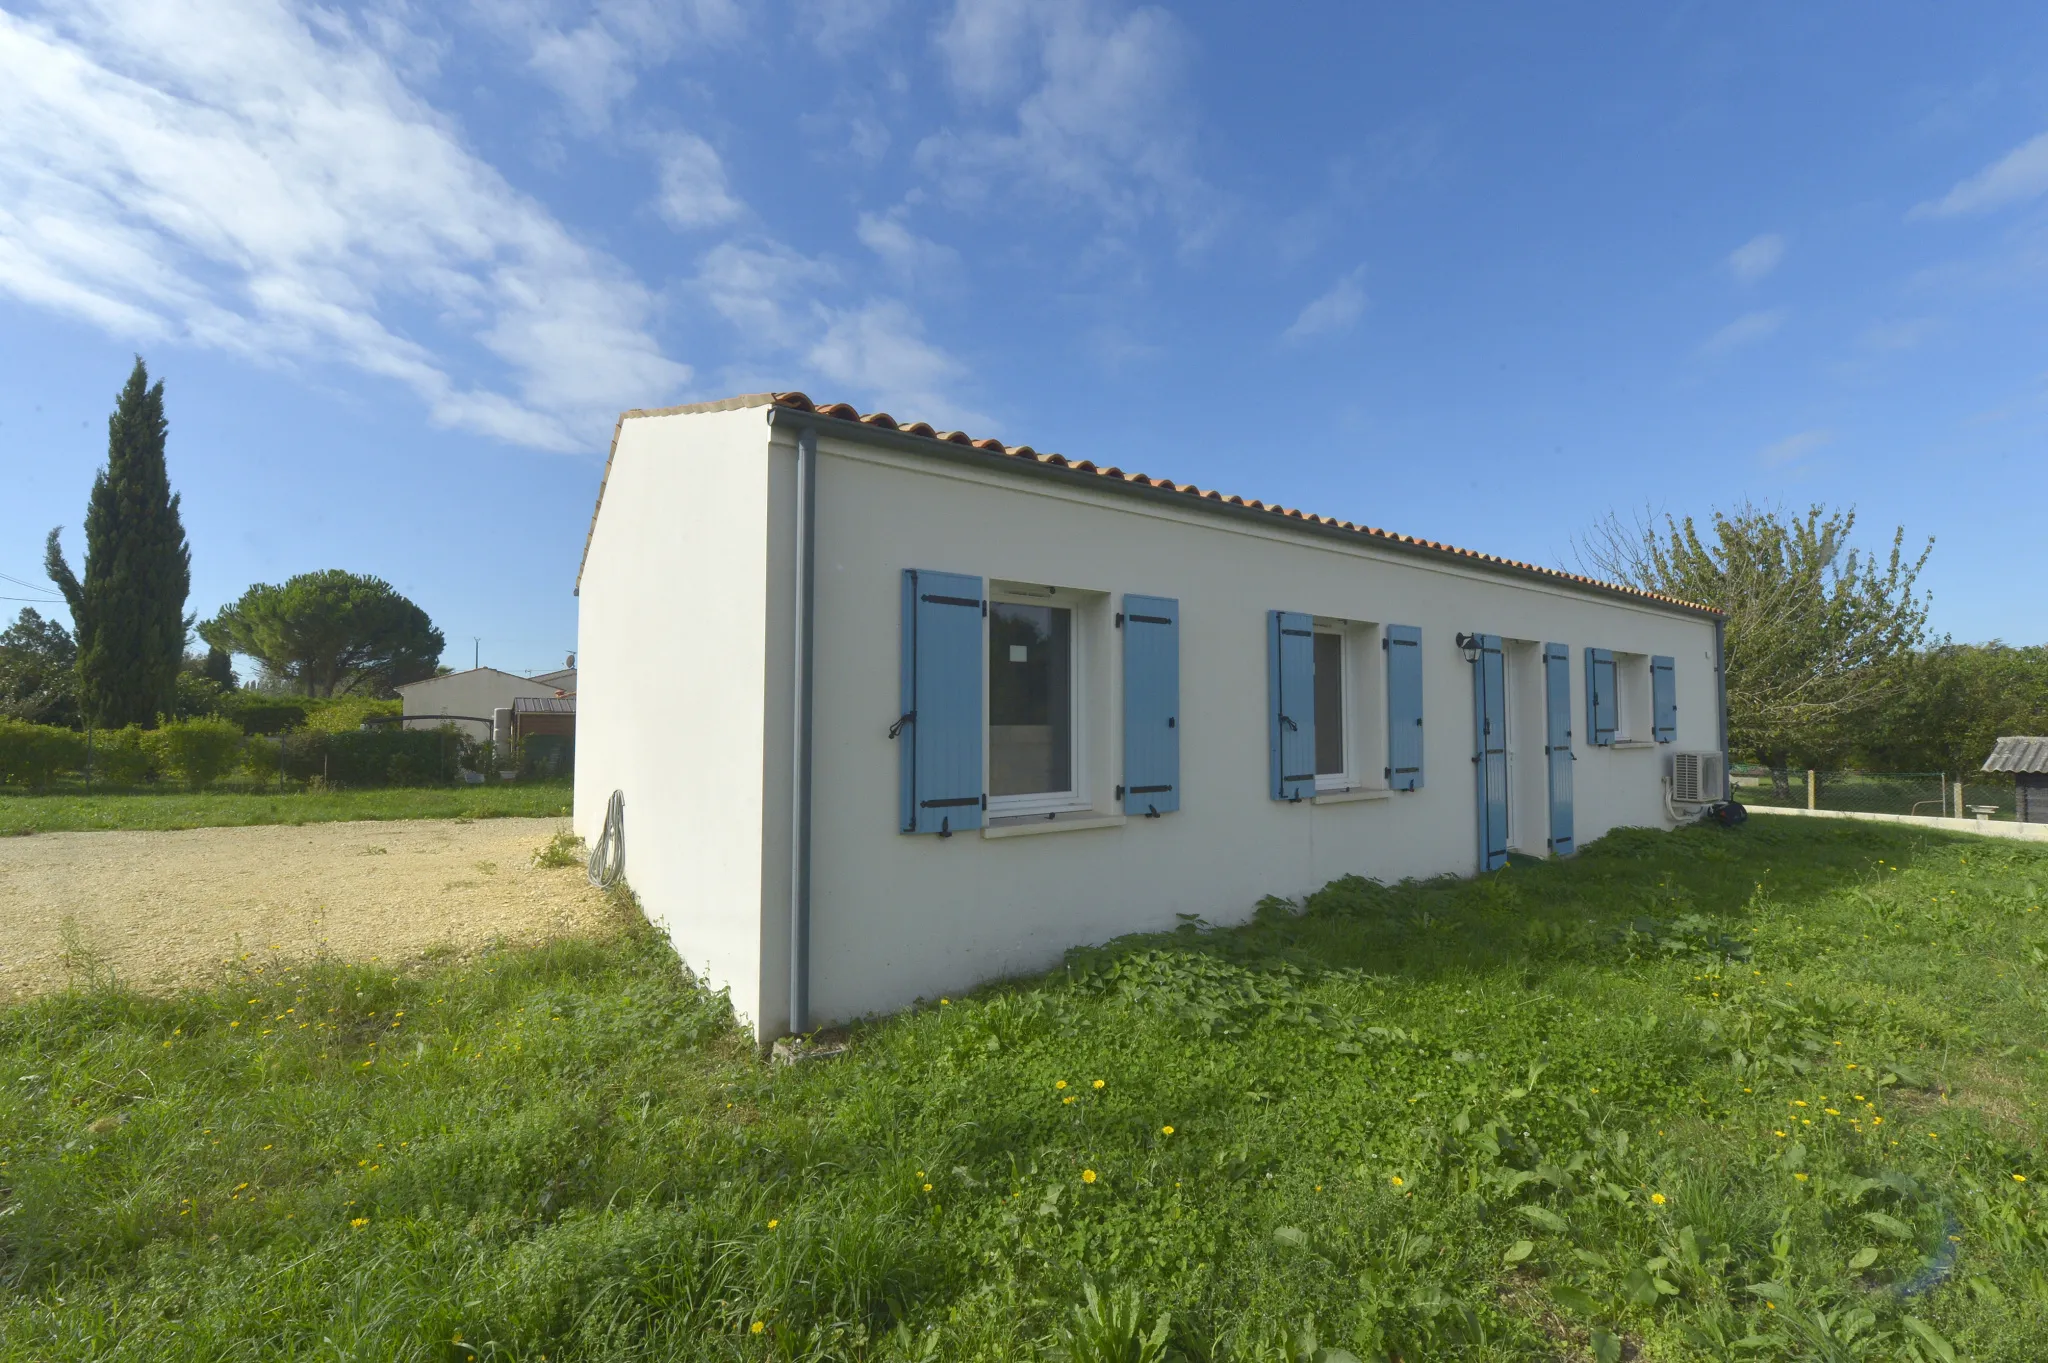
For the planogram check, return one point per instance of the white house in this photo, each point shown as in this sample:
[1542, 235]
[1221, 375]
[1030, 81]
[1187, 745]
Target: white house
[469, 699]
[893, 711]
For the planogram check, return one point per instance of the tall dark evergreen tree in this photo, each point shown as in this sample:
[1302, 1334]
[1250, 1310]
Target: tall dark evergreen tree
[129, 612]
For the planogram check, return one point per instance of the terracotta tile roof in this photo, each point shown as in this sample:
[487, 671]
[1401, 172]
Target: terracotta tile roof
[845, 412]
[841, 411]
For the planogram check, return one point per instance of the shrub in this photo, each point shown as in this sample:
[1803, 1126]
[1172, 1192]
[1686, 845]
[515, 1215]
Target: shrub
[261, 757]
[125, 757]
[258, 713]
[30, 754]
[344, 713]
[200, 750]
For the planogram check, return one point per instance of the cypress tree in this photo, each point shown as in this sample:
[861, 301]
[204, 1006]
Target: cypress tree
[129, 612]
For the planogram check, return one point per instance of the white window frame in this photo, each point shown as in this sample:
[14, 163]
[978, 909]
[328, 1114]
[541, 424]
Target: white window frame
[1348, 777]
[1632, 699]
[1075, 604]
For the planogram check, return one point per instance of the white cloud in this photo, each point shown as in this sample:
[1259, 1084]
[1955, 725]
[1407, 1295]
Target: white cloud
[240, 176]
[1794, 448]
[592, 54]
[1102, 119]
[879, 349]
[836, 24]
[915, 260]
[693, 188]
[1907, 334]
[1744, 330]
[1756, 257]
[2020, 174]
[1333, 311]
[790, 328]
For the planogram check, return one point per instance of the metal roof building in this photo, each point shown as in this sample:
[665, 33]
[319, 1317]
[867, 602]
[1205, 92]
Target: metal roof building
[2027, 760]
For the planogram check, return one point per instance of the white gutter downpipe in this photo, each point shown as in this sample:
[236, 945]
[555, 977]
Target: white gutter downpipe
[1721, 686]
[805, 576]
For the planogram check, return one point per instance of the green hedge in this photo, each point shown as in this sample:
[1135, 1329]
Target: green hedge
[375, 757]
[199, 752]
[34, 754]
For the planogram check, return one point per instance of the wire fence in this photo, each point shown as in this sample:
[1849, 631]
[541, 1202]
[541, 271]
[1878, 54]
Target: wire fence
[1942, 794]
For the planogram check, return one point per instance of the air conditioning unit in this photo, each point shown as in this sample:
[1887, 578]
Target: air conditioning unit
[1697, 778]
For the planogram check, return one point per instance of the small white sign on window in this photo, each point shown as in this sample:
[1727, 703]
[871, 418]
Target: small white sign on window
[1018, 653]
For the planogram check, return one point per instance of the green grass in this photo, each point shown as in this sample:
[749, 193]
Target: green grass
[1725, 1094]
[72, 813]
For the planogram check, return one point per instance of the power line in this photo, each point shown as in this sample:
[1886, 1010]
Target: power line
[7, 577]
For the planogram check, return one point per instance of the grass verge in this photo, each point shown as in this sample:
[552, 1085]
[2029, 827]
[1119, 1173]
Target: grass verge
[22, 814]
[1766, 1093]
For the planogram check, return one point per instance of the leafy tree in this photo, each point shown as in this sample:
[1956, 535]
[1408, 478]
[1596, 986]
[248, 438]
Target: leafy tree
[1815, 627]
[38, 671]
[130, 609]
[330, 632]
[1947, 704]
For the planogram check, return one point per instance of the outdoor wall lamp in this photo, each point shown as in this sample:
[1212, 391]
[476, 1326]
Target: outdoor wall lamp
[1468, 644]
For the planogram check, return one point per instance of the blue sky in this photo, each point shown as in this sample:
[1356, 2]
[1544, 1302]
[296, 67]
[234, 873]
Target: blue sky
[1479, 273]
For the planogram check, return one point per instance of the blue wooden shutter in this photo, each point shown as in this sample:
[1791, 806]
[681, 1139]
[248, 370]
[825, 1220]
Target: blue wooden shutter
[1403, 644]
[1291, 714]
[1557, 744]
[1151, 705]
[942, 701]
[1490, 758]
[1600, 707]
[1664, 699]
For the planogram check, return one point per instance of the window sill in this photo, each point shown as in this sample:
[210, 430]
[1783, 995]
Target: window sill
[1345, 797]
[1629, 744]
[1028, 825]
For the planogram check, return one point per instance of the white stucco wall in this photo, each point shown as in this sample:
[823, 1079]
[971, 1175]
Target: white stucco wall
[671, 661]
[705, 759]
[476, 691]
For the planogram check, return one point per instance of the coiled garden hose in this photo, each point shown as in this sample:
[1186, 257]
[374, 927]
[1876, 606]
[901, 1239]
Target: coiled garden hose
[608, 857]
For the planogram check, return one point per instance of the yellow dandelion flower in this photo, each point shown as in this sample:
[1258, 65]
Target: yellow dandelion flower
[1098, 1083]
[1397, 1181]
[1799, 1102]
[757, 1327]
[1657, 1198]
[359, 1222]
[1166, 1131]
[1060, 1084]
[927, 1187]
[945, 1003]
[1800, 1177]
[2019, 1178]
[773, 1222]
[1087, 1175]
[1068, 1099]
[1831, 1112]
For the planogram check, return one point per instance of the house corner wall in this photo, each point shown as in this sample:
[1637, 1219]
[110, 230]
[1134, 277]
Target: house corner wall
[672, 656]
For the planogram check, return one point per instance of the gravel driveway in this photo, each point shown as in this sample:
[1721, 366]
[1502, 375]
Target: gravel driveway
[165, 910]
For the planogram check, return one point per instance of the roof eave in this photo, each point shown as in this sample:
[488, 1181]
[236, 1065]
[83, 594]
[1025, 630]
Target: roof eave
[1091, 478]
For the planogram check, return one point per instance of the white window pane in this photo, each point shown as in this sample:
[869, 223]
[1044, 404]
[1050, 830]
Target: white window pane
[1329, 704]
[1030, 699]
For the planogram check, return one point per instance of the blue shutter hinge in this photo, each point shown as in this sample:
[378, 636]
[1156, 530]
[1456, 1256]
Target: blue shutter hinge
[1119, 619]
[908, 717]
[1119, 792]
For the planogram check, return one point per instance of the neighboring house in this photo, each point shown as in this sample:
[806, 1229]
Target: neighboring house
[894, 712]
[469, 699]
[2027, 760]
